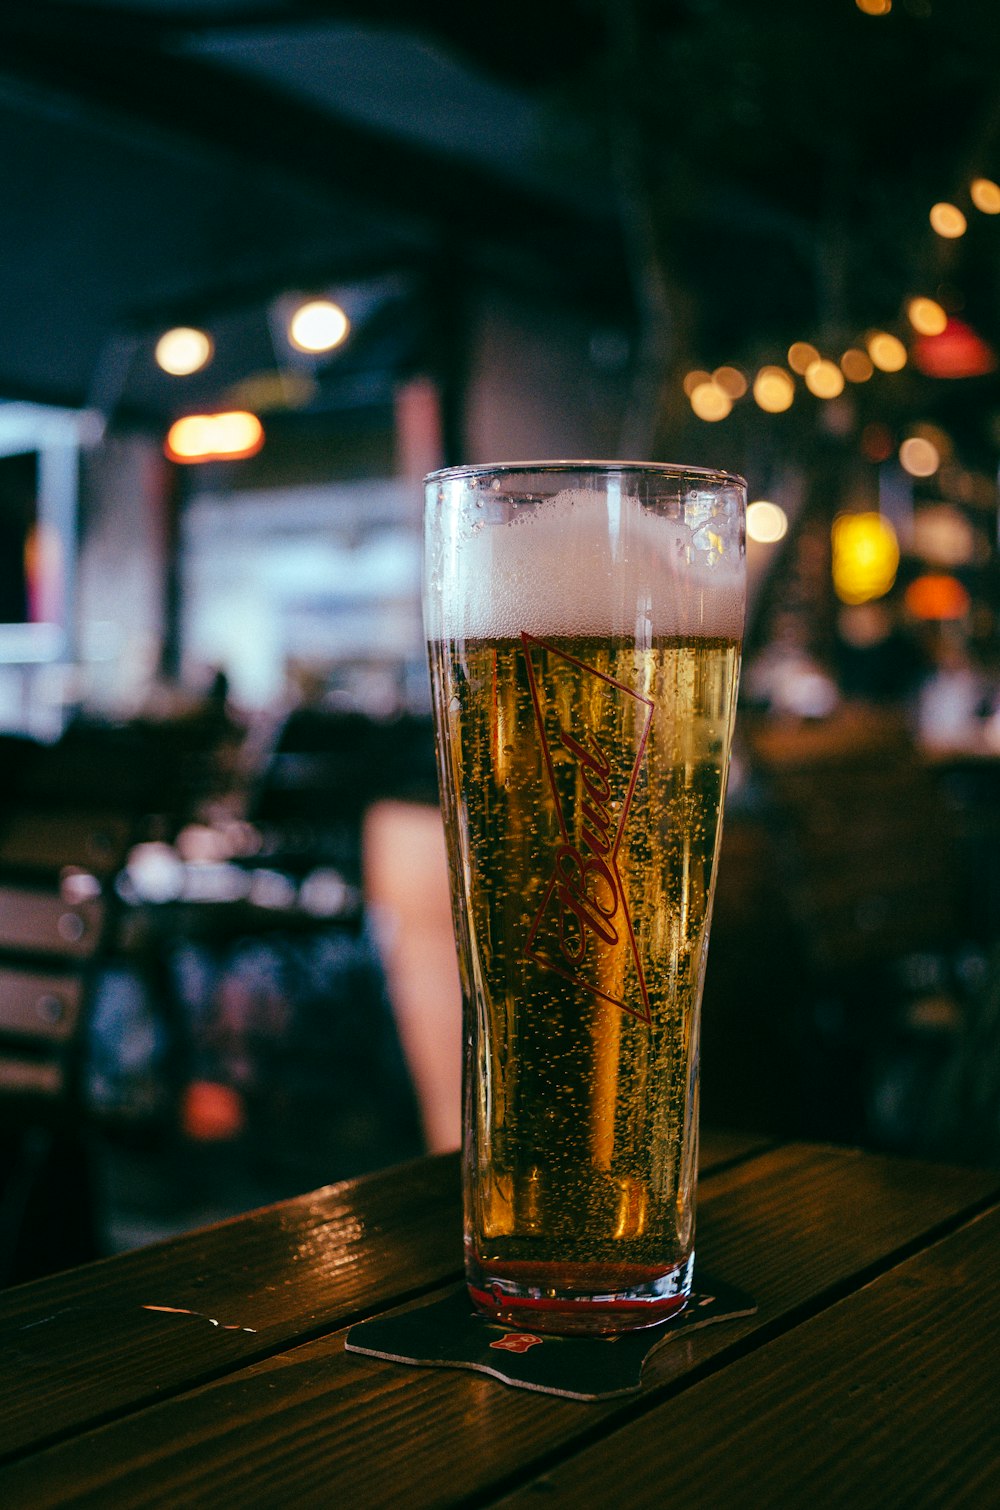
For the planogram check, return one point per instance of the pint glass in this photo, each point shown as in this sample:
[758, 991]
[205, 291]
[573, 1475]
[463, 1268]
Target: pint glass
[584, 622]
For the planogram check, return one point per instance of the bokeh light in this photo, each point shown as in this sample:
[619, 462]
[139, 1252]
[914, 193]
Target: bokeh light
[183, 350]
[985, 195]
[801, 355]
[919, 456]
[731, 381]
[865, 556]
[936, 595]
[767, 522]
[856, 365]
[874, 7]
[774, 389]
[947, 220]
[318, 326]
[824, 378]
[694, 379]
[710, 403]
[886, 351]
[213, 437]
[926, 316]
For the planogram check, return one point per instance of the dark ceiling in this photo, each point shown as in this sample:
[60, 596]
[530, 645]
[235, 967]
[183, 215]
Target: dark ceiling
[756, 170]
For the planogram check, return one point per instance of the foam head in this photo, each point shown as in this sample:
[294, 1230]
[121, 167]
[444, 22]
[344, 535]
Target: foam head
[596, 563]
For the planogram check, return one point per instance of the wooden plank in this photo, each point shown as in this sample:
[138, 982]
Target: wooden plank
[888, 1398]
[77, 1347]
[315, 1425]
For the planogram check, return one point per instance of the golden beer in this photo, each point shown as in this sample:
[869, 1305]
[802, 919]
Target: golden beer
[583, 778]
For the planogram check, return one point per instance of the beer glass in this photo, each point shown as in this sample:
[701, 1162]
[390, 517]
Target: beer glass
[584, 624]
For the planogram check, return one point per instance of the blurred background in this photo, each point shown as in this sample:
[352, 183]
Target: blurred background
[267, 262]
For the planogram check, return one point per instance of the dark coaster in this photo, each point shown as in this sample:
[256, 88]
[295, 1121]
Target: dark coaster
[448, 1333]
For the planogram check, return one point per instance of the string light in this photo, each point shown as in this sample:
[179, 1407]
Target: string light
[926, 316]
[710, 403]
[874, 7]
[947, 220]
[774, 390]
[824, 378]
[731, 381]
[694, 379]
[985, 195]
[801, 355]
[856, 365]
[318, 326]
[183, 350]
[887, 352]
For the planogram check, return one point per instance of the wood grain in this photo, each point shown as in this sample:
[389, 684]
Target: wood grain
[799, 1227]
[833, 1413]
[80, 1347]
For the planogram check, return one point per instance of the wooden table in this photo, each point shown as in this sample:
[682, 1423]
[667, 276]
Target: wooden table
[870, 1375]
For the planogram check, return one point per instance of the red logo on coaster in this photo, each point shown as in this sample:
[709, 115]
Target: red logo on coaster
[583, 930]
[516, 1342]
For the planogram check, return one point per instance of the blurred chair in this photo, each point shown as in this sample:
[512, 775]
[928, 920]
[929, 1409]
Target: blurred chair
[863, 846]
[49, 938]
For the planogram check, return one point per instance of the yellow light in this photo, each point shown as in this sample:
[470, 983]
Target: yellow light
[766, 522]
[947, 220]
[865, 557]
[985, 195]
[801, 355]
[731, 381]
[214, 437]
[773, 389]
[856, 365]
[710, 403]
[824, 379]
[694, 380]
[926, 316]
[886, 351]
[874, 7]
[183, 350]
[919, 456]
[319, 325]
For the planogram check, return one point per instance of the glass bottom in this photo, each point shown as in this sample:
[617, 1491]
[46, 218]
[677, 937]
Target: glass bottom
[578, 1299]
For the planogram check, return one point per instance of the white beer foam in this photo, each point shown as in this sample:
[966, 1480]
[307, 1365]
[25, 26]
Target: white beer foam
[578, 564]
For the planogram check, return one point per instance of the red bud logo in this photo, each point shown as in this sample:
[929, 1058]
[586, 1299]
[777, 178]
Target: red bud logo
[516, 1342]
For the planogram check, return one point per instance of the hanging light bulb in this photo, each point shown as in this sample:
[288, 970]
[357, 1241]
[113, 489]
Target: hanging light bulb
[318, 326]
[183, 350]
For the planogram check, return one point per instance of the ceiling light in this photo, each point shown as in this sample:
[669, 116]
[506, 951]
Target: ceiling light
[183, 350]
[318, 326]
[215, 437]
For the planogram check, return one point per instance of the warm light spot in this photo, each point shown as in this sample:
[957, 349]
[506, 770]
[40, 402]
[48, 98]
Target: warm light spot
[926, 316]
[766, 522]
[958, 352]
[801, 355]
[944, 536]
[695, 379]
[856, 365]
[319, 325]
[985, 195]
[919, 456]
[731, 381]
[710, 403]
[773, 389]
[865, 557]
[936, 595]
[215, 437]
[874, 7]
[824, 378]
[947, 220]
[183, 350]
[886, 351]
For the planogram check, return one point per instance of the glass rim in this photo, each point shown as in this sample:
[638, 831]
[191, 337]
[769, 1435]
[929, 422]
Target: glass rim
[669, 469]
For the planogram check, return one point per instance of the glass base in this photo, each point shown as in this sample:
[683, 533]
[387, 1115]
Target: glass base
[578, 1299]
